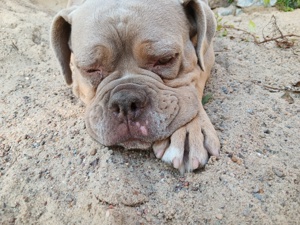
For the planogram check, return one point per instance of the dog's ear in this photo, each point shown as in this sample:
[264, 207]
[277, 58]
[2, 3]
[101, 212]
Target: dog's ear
[203, 26]
[60, 35]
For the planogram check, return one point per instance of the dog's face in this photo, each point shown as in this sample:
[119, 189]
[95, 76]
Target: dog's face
[135, 64]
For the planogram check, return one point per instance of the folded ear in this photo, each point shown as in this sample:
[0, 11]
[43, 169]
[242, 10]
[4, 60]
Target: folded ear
[203, 25]
[60, 35]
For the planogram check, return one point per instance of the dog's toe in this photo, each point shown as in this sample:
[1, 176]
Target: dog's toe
[211, 140]
[197, 153]
[189, 147]
[174, 153]
[160, 147]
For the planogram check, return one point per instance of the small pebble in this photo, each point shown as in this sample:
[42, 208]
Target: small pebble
[250, 111]
[246, 212]
[258, 196]
[35, 145]
[219, 216]
[225, 90]
[278, 172]
[236, 160]
[93, 152]
[256, 189]
[79, 161]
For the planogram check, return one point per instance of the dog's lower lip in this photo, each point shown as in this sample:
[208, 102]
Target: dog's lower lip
[133, 140]
[133, 143]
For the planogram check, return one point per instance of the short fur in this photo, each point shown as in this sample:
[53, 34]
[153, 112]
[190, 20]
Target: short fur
[141, 66]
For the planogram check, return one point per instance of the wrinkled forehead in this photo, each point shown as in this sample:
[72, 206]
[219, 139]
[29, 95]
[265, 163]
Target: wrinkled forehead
[128, 20]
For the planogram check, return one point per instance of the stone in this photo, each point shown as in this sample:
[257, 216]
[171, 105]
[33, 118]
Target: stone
[219, 216]
[248, 3]
[218, 3]
[93, 151]
[230, 10]
[278, 172]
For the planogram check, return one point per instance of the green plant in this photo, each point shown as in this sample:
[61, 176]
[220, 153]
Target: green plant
[222, 26]
[281, 40]
[251, 26]
[206, 98]
[288, 5]
[266, 2]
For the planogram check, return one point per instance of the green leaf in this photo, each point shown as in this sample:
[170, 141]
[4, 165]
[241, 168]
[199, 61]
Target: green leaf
[251, 26]
[219, 27]
[206, 98]
[225, 32]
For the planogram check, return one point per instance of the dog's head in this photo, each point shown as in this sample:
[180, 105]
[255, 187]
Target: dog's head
[136, 64]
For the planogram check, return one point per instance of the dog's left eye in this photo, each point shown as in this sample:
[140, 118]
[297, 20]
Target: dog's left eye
[165, 60]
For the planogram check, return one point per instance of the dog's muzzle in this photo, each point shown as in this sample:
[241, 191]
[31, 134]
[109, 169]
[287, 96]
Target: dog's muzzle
[128, 102]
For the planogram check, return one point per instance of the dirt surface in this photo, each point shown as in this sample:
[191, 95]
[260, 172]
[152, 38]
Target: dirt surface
[52, 172]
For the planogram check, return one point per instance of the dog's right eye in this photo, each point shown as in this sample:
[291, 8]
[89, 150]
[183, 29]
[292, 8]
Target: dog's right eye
[94, 76]
[93, 71]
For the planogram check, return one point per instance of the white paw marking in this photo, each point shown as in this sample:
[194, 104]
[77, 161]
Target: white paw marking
[171, 153]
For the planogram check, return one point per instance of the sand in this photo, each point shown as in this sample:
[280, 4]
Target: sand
[52, 172]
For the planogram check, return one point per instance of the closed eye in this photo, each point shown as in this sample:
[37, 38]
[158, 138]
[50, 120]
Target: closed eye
[94, 71]
[164, 61]
[93, 75]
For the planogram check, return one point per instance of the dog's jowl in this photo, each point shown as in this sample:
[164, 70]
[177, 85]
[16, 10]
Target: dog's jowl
[140, 67]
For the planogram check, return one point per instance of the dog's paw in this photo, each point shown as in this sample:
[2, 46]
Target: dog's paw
[190, 146]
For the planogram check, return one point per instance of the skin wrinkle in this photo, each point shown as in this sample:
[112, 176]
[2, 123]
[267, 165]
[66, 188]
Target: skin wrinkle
[174, 115]
[108, 92]
[105, 88]
[152, 87]
[108, 44]
[116, 10]
[120, 37]
[158, 117]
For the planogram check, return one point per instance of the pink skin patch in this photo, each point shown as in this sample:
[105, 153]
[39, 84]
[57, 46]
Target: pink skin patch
[143, 129]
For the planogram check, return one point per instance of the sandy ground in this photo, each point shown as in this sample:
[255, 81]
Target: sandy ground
[52, 172]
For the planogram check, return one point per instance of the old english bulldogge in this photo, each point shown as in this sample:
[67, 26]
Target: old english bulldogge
[140, 66]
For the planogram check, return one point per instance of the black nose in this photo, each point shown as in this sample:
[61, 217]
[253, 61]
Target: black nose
[127, 104]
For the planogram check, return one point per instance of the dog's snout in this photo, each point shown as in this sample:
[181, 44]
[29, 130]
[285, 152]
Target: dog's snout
[127, 104]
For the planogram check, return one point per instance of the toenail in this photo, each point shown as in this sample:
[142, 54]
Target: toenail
[195, 163]
[176, 163]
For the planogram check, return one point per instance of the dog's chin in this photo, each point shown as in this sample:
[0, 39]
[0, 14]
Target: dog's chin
[135, 144]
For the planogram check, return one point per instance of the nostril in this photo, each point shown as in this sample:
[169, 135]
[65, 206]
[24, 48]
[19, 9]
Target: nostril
[127, 103]
[116, 108]
[133, 107]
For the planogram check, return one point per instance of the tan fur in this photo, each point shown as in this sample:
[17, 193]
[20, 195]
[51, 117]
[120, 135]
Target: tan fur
[111, 52]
